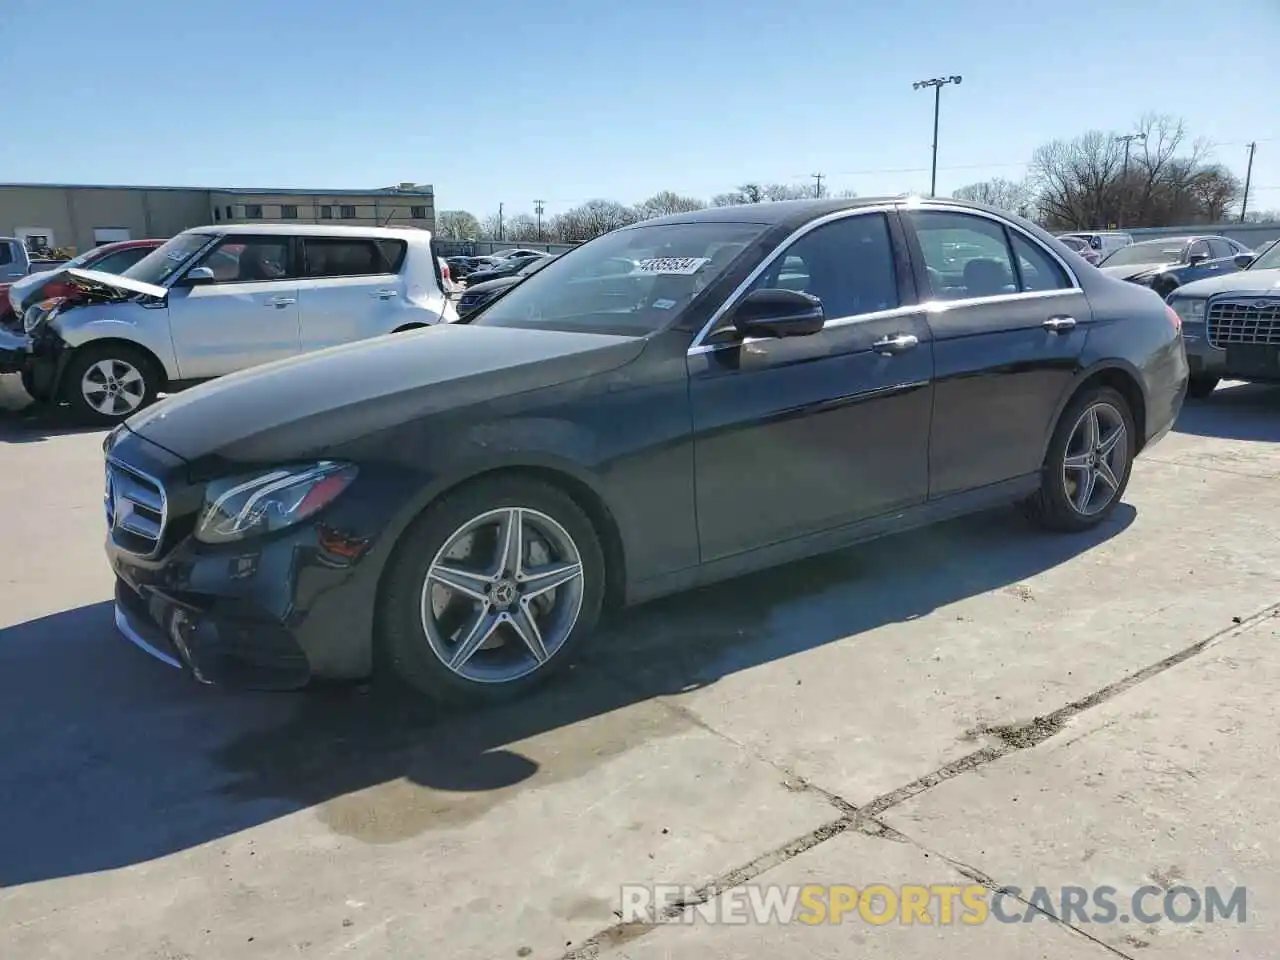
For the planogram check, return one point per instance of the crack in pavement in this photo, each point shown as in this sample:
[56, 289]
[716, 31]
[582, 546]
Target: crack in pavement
[1010, 738]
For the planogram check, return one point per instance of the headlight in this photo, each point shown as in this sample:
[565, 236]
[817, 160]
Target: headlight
[1191, 311]
[248, 506]
[40, 313]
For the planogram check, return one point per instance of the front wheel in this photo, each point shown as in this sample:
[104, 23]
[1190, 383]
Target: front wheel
[492, 590]
[108, 383]
[1087, 467]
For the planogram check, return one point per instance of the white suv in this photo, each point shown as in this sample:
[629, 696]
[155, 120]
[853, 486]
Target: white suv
[214, 300]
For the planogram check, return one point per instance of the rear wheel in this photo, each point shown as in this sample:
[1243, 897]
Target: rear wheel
[108, 383]
[493, 589]
[1200, 387]
[1087, 467]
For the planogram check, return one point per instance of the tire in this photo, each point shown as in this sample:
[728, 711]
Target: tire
[1198, 388]
[135, 373]
[1053, 506]
[416, 611]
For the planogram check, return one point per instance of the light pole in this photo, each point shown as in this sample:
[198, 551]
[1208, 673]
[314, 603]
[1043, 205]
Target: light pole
[1127, 140]
[937, 83]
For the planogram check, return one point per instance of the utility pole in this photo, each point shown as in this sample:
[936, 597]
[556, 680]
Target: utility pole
[537, 208]
[1248, 179]
[937, 83]
[1127, 140]
[817, 190]
[500, 222]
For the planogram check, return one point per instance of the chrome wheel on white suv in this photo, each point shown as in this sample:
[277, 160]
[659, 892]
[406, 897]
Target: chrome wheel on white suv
[109, 383]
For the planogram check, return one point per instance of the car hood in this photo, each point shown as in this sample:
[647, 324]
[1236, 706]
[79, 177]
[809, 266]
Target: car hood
[302, 406]
[95, 285]
[1132, 271]
[1242, 281]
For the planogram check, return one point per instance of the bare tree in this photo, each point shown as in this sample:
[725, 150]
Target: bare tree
[591, 219]
[1015, 196]
[1262, 216]
[1082, 183]
[521, 228]
[666, 202]
[493, 227]
[746, 193]
[761, 192]
[457, 225]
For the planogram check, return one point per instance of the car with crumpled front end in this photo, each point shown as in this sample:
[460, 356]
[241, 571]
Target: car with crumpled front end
[219, 299]
[1231, 325]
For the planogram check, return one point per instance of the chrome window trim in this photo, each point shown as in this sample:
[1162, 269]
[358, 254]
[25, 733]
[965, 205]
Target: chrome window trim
[698, 345]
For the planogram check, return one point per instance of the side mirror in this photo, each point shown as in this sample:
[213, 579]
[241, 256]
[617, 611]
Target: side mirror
[1197, 258]
[1243, 260]
[198, 277]
[779, 313]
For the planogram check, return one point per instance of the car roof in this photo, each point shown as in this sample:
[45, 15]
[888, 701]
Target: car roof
[310, 230]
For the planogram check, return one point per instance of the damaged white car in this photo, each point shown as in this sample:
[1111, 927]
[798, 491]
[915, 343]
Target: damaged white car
[214, 300]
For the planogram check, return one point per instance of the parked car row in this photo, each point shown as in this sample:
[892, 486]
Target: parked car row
[675, 402]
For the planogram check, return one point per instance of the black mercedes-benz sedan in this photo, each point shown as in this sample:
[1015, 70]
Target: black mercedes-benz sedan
[761, 383]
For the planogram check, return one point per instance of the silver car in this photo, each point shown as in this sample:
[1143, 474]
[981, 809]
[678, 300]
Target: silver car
[215, 300]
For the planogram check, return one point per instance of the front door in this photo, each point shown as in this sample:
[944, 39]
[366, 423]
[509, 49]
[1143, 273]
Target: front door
[1009, 323]
[247, 316]
[350, 289]
[796, 435]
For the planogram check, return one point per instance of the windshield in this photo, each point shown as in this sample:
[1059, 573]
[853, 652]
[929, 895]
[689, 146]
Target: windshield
[1153, 251]
[630, 282]
[165, 260]
[1075, 243]
[1269, 259]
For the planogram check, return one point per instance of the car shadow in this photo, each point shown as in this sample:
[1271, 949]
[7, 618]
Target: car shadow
[1246, 411]
[112, 759]
[37, 422]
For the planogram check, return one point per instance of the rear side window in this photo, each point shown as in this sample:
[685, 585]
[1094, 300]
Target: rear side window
[121, 260]
[6, 253]
[354, 257]
[1036, 269]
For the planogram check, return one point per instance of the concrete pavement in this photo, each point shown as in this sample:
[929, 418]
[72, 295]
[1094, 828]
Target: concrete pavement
[784, 728]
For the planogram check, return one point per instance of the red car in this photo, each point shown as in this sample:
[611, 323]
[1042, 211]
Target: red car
[109, 258]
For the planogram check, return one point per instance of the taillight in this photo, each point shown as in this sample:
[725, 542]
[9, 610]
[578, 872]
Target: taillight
[1174, 319]
[444, 272]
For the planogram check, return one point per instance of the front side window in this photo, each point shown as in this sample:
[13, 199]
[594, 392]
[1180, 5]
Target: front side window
[656, 272]
[1221, 248]
[168, 258]
[965, 256]
[248, 259]
[847, 264]
[1199, 249]
[326, 257]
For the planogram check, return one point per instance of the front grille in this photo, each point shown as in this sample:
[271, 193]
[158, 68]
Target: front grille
[1243, 320]
[136, 509]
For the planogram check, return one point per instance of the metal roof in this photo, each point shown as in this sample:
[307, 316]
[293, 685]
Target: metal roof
[421, 190]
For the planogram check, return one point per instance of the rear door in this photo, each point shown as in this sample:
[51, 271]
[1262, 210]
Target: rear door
[350, 289]
[247, 316]
[1009, 321]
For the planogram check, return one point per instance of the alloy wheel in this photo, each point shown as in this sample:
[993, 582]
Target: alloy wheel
[113, 387]
[1096, 459]
[502, 595]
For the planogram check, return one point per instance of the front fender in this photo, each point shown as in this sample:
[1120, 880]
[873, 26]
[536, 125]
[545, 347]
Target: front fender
[146, 327]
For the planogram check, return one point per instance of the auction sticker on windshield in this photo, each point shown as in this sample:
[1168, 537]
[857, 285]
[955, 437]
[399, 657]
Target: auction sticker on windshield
[678, 266]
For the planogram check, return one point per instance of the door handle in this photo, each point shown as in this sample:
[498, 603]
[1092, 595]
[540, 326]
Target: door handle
[895, 344]
[280, 301]
[384, 294]
[1059, 324]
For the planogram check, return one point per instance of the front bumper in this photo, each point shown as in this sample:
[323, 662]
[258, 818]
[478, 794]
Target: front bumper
[1258, 362]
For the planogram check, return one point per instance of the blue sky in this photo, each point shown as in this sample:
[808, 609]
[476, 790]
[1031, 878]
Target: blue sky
[505, 101]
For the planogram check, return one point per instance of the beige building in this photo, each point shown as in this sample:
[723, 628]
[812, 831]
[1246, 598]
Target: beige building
[78, 217]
